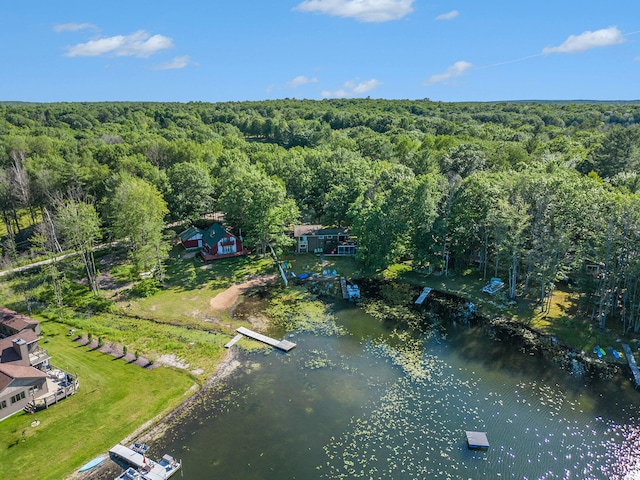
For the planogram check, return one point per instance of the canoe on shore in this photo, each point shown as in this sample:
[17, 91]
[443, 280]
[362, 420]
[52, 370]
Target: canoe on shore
[93, 463]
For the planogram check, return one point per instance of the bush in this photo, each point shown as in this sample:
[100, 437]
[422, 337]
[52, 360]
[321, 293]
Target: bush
[146, 288]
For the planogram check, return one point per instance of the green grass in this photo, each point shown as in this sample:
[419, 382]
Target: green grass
[114, 399]
[24, 219]
[185, 301]
[310, 263]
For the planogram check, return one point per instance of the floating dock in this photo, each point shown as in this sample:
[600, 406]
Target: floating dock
[632, 364]
[423, 295]
[477, 440]
[284, 345]
[146, 469]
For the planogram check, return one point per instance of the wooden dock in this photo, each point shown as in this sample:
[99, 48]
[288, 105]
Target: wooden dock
[632, 364]
[284, 345]
[233, 341]
[423, 295]
[343, 285]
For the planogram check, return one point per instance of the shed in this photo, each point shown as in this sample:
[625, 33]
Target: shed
[477, 440]
[191, 238]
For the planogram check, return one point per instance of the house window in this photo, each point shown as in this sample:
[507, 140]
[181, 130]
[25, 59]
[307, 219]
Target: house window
[321, 237]
[3, 404]
[17, 398]
[228, 248]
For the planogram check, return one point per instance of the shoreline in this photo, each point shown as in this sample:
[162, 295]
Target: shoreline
[157, 427]
[499, 328]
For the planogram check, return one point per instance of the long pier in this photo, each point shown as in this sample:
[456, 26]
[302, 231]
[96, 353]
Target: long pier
[632, 364]
[284, 345]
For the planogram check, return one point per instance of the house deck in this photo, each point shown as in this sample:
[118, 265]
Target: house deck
[208, 257]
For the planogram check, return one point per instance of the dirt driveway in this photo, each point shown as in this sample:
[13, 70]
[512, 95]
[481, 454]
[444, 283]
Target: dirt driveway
[227, 299]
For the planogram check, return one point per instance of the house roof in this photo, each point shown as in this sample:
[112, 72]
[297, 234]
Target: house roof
[10, 372]
[8, 355]
[16, 321]
[301, 230]
[214, 234]
[333, 231]
[190, 233]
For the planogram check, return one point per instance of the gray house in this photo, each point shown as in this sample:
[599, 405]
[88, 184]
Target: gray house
[23, 363]
[329, 241]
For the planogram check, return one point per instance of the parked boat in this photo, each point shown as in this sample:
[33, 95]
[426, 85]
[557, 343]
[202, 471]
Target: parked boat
[143, 468]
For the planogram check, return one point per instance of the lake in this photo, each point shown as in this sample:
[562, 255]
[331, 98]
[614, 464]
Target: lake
[360, 399]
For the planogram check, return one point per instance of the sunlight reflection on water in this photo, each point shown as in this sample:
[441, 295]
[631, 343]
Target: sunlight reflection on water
[379, 403]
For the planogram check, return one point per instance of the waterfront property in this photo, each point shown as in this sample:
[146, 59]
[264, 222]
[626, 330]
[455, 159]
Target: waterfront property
[214, 243]
[329, 241]
[141, 467]
[27, 381]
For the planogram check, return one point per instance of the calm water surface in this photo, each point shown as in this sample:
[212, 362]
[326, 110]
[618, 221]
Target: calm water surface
[368, 402]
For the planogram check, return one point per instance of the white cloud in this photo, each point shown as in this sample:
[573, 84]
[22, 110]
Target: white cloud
[301, 80]
[448, 16]
[456, 70]
[352, 88]
[138, 44]
[605, 37]
[73, 27]
[176, 63]
[362, 10]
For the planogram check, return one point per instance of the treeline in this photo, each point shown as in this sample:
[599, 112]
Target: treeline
[533, 193]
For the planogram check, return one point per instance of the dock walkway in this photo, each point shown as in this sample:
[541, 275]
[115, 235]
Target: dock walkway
[423, 295]
[632, 364]
[343, 286]
[284, 345]
[233, 341]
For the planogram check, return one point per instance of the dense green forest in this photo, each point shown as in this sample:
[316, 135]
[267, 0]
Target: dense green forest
[535, 193]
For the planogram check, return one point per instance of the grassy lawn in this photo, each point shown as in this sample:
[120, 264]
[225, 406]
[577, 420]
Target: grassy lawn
[114, 399]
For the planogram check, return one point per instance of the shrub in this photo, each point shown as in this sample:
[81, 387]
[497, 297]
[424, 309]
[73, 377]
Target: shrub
[145, 288]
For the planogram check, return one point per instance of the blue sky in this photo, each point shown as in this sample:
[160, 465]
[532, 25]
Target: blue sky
[214, 51]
